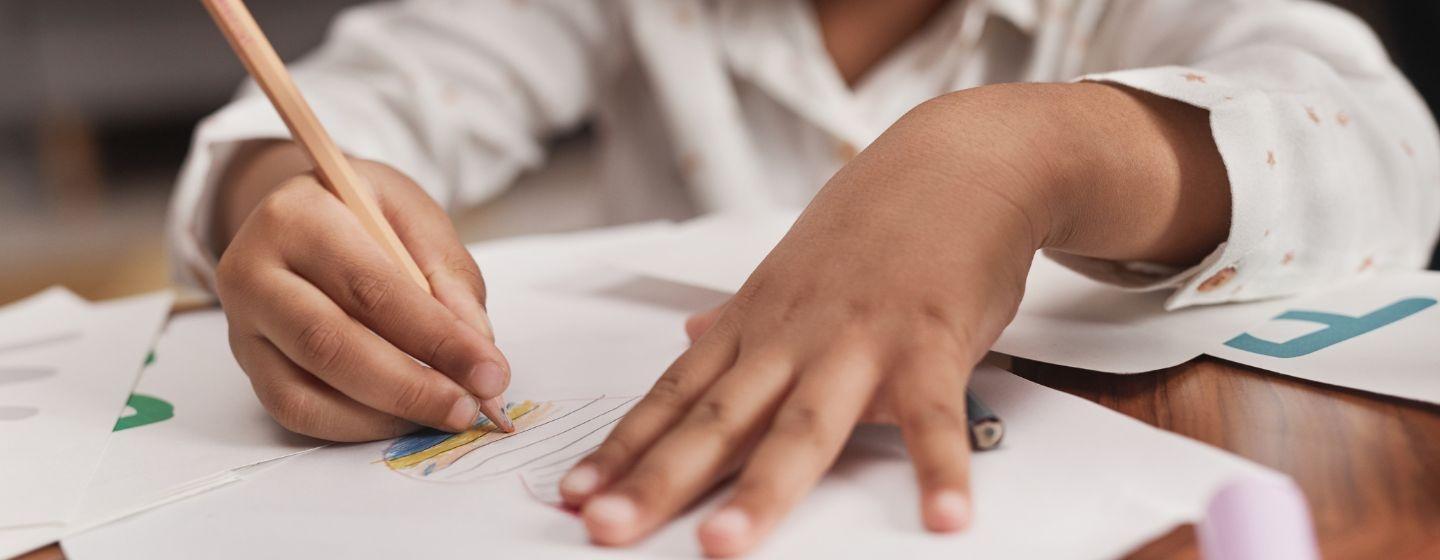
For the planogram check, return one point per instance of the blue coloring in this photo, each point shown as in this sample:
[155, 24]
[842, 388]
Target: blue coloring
[415, 443]
[425, 439]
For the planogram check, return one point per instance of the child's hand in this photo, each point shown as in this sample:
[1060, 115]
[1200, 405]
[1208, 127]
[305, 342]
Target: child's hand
[890, 287]
[882, 297]
[326, 325]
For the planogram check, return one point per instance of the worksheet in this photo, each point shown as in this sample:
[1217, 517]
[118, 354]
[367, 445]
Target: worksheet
[585, 340]
[1064, 319]
[66, 369]
[1375, 334]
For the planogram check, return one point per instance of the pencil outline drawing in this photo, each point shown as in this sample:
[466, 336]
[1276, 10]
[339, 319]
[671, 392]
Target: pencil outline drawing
[437, 456]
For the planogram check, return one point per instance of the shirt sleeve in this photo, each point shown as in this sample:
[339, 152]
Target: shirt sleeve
[460, 96]
[1333, 158]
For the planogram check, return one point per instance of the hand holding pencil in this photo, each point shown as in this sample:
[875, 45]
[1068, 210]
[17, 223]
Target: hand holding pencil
[329, 319]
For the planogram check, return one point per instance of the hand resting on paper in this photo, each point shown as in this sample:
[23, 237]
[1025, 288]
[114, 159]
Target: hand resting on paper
[326, 325]
[893, 283]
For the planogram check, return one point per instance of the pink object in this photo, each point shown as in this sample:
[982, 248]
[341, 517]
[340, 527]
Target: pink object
[1258, 518]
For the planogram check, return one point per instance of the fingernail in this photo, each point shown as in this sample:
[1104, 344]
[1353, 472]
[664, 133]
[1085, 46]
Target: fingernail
[494, 409]
[580, 481]
[611, 512]
[730, 526]
[949, 511]
[486, 379]
[463, 414]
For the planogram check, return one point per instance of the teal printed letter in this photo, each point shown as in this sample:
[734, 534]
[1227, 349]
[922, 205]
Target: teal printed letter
[1338, 328]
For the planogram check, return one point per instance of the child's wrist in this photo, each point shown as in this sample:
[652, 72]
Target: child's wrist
[998, 146]
[1097, 169]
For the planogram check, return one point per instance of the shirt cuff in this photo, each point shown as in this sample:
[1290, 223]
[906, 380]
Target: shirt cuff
[1238, 122]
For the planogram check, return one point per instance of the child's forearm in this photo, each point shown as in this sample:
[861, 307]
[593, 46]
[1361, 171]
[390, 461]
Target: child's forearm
[1104, 171]
[257, 169]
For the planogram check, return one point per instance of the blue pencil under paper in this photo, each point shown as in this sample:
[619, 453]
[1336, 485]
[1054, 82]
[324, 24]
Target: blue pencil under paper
[986, 429]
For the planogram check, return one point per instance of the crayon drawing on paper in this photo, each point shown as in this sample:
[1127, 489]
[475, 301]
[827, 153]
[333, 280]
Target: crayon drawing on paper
[548, 435]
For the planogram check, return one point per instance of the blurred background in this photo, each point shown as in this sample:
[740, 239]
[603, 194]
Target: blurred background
[100, 98]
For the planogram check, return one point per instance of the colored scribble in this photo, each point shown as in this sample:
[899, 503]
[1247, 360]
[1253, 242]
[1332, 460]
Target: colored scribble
[428, 452]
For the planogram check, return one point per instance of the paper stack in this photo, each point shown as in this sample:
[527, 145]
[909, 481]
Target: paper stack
[66, 371]
[192, 425]
[1073, 479]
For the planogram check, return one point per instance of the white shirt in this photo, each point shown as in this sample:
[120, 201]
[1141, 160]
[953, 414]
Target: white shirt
[735, 105]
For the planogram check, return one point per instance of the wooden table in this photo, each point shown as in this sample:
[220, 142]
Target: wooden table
[1370, 466]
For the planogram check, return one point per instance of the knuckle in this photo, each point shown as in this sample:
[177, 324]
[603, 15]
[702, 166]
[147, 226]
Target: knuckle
[800, 422]
[712, 413]
[465, 269]
[409, 399]
[438, 349]
[668, 392]
[718, 419]
[859, 309]
[322, 345]
[936, 316]
[226, 271]
[791, 308]
[234, 277]
[756, 488]
[647, 483]
[369, 291]
[293, 410]
[934, 415]
[282, 206]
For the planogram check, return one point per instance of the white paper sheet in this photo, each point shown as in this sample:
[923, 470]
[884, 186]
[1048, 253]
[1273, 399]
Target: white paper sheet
[53, 446]
[1065, 318]
[1073, 480]
[1074, 321]
[1098, 483]
[1383, 340]
[557, 308]
[203, 419]
[40, 319]
[216, 424]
